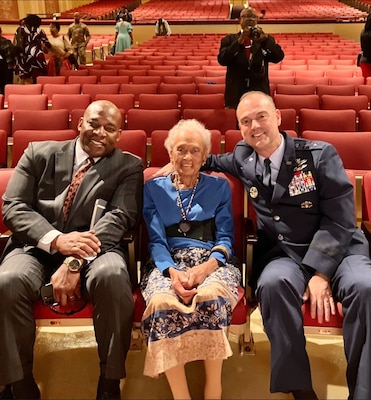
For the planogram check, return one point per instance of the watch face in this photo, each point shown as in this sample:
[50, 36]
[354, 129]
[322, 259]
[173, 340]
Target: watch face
[74, 265]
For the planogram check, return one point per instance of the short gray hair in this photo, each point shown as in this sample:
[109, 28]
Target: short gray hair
[185, 125]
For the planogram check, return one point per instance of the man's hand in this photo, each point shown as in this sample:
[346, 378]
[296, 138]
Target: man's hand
[66, 285]
[179, 282]
[319, 294]
[78, 244]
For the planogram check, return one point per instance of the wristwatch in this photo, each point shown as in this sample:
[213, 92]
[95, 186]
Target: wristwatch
[74, 264]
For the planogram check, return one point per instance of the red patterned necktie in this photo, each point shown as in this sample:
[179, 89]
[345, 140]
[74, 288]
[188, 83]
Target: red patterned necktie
[76, 181]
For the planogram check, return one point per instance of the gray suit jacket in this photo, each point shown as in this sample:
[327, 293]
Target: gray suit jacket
[34, 197]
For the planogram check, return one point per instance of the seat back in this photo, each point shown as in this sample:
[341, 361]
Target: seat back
[6, 121]
[40, 119]
[342, 102]
[150, 120]
[202, 101]
[93, 89]
[221, 119]
[3, 148]
[122, 101]
[21, 89]
[296, 101]
[21, 139]
[70, 101]
[351, 146]
[27, 102]
[327, 120]
[154, 101]
[282, 88]
[135, 142]
[52, 88]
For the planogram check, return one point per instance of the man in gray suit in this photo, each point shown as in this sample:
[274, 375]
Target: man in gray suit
[49, 243]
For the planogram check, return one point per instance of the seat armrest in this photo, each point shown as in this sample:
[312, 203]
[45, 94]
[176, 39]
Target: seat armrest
[131, 240]
[251, 233]
[366, 228]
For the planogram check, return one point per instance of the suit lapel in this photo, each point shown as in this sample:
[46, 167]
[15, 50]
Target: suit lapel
[63, 173]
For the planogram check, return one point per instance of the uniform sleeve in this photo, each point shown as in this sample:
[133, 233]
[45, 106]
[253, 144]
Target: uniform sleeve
[337, 224]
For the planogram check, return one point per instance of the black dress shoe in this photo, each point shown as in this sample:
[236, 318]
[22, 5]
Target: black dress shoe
[6, 393]
[108, 389]
[304, 394]
[26, 389]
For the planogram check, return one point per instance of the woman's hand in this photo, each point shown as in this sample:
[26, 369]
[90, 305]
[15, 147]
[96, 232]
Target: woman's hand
[179, 282]
[197, 274]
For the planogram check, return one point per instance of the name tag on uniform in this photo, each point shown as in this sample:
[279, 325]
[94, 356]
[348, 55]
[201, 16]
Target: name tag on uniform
[302, 182]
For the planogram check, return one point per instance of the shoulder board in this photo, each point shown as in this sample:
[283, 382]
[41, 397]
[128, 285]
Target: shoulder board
[304, 144]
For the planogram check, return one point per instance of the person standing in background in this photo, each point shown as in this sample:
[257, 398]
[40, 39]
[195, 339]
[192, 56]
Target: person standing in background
[79, 35]
[7, 61]
[124, 12]
[60, 51]
[162, 27]
[365, 39]
[124, 36]
[246, 55]
[31, 42]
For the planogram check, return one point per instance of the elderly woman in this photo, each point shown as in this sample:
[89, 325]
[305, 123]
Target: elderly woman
[190, 285]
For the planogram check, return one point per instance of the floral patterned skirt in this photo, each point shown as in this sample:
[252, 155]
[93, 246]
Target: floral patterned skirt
[177, 333]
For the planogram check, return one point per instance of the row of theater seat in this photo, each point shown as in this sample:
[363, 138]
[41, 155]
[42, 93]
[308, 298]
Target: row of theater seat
[231, 138]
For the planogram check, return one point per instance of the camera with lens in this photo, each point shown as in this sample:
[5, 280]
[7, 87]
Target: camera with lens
[254, 32]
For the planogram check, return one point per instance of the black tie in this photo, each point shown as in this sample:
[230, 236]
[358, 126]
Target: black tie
[267, 173]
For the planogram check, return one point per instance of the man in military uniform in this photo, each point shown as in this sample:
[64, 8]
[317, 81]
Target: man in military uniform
[79, 36]
[308, 245]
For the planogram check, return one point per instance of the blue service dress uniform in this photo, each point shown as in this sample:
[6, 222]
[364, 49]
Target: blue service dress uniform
[306, 224]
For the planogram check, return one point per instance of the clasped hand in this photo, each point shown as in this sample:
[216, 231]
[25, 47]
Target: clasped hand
[319, 294]
[185, 283]
[77, 244]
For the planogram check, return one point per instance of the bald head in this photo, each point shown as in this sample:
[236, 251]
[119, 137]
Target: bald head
[100, 128]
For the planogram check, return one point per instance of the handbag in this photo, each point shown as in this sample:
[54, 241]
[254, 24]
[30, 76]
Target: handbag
[71, 58]
[113, 50]
[359, 56]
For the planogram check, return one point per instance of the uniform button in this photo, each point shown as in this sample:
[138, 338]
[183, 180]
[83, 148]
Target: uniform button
[280, 237]
[276, 217]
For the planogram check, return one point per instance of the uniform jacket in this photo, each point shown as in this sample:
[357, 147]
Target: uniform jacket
[245, 75]
[310, 214]
[34, 198]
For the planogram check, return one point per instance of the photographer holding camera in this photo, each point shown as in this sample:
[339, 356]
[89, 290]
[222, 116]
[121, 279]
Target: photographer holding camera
[246, 56]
